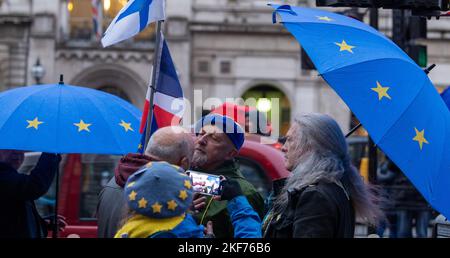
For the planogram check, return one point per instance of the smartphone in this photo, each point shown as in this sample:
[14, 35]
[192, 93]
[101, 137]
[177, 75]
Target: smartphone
[204, 183]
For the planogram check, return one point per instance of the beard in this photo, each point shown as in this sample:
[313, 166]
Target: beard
[199, 159]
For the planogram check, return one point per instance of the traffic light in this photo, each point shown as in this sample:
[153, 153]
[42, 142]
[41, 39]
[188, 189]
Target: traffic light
[418, 53]
[417, 29]
[442, 5]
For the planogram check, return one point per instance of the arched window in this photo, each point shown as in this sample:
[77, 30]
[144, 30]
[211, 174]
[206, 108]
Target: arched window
[81, 19]
[263, 95]
[115, 91]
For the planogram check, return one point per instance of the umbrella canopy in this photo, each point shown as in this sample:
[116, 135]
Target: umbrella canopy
[391, 96]
[446, 96]
[60, 118]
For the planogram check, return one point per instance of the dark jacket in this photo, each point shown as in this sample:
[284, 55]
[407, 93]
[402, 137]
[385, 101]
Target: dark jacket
[323, 210]
[111, 207]
[402, 193]
[19, 217]
[217, 211]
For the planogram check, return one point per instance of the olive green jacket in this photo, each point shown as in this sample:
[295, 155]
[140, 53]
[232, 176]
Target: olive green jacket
[217, 211]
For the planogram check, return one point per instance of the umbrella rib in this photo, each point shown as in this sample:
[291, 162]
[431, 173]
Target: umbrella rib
[403, 112]
[94, 104]
[20, 103]
[375, 32]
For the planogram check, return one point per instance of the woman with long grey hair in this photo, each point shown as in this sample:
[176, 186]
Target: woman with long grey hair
[324, 193]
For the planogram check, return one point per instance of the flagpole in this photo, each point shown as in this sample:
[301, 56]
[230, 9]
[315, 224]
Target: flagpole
[157, 57]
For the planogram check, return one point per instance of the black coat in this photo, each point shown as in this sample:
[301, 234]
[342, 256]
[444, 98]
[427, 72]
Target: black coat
[323, 210]
[19, 217]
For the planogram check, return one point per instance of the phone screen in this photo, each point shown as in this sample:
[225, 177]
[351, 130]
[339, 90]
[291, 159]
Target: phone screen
[204, 183]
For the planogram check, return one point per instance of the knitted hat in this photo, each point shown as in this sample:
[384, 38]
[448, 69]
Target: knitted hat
[233, 130]
[159, 190]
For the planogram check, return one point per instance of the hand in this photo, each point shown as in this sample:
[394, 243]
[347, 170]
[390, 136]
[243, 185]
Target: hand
[230, 189]
[198, 203]
[61, 223]
[209, 230]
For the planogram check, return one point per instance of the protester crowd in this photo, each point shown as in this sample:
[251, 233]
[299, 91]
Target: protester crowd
[151, 196]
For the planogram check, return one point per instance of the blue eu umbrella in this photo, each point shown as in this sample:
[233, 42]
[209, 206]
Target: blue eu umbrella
[60, 118]
[446, 96]
[391, 96]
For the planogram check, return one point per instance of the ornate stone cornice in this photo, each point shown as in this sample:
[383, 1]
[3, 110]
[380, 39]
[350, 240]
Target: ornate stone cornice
[103, 56]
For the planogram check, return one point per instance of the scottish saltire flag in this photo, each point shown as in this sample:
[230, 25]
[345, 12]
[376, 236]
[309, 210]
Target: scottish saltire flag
[97, 18]
[168, 102]
[132, 19]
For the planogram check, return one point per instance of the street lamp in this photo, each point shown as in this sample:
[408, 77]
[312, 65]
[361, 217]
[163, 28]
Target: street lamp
[38, 71]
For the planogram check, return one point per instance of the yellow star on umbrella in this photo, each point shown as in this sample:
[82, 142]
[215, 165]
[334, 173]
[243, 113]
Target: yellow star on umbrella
[324, 18]
[142, 203]
[183, 195]
[382, 91]
[172, 205]
[132, 195]
[156, 207]
[126, 126]
[82, 126]
[420, 137]
[187, 184]
[34, 123]
[344, 46]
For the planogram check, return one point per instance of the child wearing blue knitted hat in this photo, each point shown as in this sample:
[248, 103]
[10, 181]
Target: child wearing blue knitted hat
[159, 196]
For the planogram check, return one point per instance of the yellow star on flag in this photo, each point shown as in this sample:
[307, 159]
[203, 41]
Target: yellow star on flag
[187, 184]
[324, 18]
[183, 195]
[34, 123]
[172, 205]
[142, 203]
[132, 195]
[344, 47]
[156, 207]
[82, 126]
[420, 137]
[126, 126]
[382, 91]
[131, 184]
[140, 146]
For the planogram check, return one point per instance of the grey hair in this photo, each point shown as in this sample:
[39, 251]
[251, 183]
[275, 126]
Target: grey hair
[322, 153]
[170, 144]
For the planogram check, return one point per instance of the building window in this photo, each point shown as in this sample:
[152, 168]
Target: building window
[225, 67]
[81, 19]
[203, 66]
[115, 91]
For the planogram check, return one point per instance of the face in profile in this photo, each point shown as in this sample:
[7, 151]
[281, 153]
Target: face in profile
[290, 153]
[212, 146]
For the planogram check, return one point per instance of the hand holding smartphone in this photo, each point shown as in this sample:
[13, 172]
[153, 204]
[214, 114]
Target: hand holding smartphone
[203, 183]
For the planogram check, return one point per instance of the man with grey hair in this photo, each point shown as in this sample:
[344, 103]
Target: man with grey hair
[171, 144]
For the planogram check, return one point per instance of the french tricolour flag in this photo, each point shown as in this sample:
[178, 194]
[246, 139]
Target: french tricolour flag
[168, 102]
[132, 19]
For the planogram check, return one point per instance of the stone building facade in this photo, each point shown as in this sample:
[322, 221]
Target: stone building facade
[225, 48]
